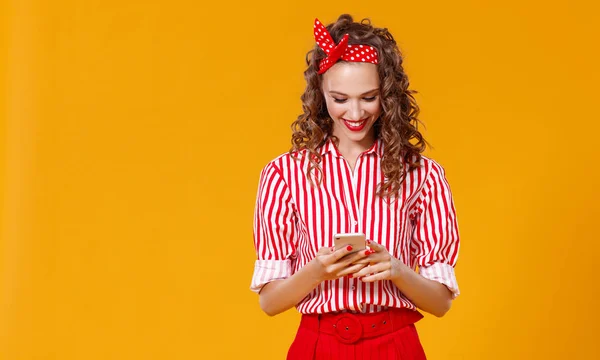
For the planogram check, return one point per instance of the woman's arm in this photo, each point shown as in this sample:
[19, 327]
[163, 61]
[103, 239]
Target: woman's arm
[281, 295]
[429, 295]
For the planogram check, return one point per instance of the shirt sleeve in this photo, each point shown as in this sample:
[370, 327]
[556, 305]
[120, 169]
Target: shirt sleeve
[274, 229]
[435, 242]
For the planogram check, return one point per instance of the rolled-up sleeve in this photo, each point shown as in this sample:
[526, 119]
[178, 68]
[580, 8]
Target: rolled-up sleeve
[274, 229]
[435, 242]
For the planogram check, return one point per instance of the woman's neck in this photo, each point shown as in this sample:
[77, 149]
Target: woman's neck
[350, 150]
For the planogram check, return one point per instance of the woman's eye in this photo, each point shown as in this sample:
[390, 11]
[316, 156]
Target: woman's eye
[372, 98]
[339, 100]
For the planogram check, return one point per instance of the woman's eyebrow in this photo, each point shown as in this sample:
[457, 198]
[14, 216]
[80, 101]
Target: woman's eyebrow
[341, 93]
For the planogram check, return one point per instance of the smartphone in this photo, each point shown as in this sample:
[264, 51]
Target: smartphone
[357, 240]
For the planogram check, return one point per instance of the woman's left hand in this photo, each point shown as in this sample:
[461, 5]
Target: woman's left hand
[382, 265]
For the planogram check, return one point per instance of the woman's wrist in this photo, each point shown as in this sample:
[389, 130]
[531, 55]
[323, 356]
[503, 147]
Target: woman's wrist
[316, 270]
[398, 269]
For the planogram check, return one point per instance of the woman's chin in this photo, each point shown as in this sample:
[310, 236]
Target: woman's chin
[365, 134]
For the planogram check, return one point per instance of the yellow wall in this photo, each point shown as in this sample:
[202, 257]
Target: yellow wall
[133, 136]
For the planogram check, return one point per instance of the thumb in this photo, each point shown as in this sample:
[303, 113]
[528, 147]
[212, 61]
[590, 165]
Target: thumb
[325, 250]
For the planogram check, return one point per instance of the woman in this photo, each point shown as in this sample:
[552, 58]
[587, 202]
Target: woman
[355, 167]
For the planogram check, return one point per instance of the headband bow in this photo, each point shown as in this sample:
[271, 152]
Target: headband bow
[354, 53]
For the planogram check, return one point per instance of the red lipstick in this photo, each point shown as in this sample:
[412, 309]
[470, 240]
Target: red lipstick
[355, 125]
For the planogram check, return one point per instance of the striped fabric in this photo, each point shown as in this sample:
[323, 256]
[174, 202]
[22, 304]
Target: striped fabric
[293, 220]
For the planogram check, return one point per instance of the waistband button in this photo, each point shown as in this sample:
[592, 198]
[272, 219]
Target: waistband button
[348, 329]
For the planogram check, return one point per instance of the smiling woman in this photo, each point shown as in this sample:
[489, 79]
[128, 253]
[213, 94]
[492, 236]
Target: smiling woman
[355, 168]
[355, 110]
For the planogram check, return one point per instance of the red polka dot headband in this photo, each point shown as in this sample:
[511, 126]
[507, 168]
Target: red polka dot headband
[354, 53]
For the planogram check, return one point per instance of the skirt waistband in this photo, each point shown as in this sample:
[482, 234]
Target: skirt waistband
[351, 327]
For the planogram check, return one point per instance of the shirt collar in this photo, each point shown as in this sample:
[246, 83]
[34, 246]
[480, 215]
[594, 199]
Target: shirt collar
[330, 147]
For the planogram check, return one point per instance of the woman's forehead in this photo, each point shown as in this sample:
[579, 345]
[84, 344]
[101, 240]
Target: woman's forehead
[351, 78]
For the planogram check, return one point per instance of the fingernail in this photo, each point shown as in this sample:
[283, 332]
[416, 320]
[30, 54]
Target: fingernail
[349, 248]
[368, 242]
[367, 252]
[350, 276]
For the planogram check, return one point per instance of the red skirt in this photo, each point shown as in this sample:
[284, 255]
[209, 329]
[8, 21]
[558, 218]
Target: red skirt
[390, 334]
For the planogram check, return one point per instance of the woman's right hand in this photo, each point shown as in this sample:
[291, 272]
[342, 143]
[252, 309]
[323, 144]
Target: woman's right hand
[333, 264]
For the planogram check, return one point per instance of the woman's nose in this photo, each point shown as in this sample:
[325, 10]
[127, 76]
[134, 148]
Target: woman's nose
[355, 111]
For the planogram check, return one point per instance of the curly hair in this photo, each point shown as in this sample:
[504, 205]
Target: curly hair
[398, 124]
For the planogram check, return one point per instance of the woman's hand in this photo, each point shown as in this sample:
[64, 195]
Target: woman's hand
[379, 265]
[279, 295]
[333, 264]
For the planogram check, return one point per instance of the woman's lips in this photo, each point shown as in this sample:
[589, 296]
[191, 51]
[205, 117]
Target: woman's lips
[355, 125]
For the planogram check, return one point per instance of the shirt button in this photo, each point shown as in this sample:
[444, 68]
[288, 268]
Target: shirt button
[353, 287]
[355, 222]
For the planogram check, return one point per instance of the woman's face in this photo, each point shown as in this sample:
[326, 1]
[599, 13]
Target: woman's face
[351, 93]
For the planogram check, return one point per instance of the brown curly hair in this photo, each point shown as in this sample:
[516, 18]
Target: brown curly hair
[398, 124]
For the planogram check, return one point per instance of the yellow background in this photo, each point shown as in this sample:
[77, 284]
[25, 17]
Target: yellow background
[133, 133]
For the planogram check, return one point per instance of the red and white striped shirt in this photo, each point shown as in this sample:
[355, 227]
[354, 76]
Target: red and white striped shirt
[293, 220]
